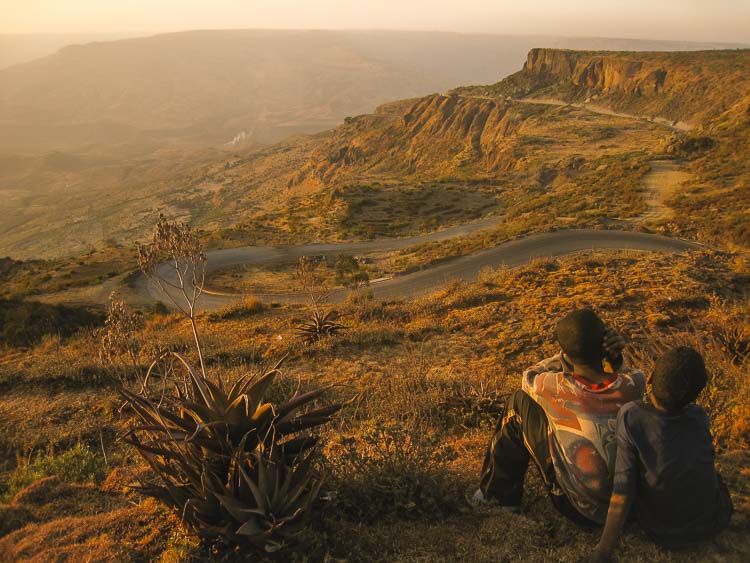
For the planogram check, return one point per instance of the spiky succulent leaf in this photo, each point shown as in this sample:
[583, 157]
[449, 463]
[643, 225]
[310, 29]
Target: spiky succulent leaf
[233, 466]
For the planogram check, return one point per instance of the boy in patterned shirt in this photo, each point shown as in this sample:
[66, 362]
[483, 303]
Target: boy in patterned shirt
[563, 418]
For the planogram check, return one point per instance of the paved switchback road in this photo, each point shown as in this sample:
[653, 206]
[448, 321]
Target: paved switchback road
[678, 126]
[511, 253]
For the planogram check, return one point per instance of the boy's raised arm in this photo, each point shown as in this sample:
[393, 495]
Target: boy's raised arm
[613, 345]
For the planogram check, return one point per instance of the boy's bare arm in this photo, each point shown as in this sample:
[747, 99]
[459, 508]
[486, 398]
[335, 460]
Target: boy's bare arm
[613, 345]
[619, 507]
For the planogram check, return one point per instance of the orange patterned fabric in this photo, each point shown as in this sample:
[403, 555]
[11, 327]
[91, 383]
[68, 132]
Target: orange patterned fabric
[582, 420]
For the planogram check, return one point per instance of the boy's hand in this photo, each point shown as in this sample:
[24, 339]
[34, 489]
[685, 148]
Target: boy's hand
[613, 345]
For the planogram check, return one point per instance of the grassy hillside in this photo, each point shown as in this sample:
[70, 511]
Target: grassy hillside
[424, 163]
[707, 91]
[431, 373]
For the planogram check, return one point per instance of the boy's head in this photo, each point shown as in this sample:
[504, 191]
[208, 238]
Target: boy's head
[581, 336]
[678, 378]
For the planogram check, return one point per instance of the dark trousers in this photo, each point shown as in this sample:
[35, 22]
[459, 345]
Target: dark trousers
[522, 435]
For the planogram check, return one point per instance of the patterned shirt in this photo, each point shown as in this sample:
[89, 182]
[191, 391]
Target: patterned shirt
[582, 422]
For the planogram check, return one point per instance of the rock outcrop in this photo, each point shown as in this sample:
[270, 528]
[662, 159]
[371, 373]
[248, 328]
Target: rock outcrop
[435, 134]
[599, 71]
[691, 87]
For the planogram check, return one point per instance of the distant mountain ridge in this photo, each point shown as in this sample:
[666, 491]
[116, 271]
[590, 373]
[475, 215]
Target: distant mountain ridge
[19, 48]
[235, 87]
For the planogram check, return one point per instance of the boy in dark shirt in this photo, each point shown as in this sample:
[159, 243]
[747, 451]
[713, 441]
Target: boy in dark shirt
[665, 461]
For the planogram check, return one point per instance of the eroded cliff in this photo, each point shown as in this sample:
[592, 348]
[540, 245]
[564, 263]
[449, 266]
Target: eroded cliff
[695, 88]
[436, 134]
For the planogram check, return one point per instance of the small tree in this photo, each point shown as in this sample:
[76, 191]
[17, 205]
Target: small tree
[175, 261]
[312, 282]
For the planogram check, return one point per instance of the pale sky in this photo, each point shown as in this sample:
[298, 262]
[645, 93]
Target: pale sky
[689, 20]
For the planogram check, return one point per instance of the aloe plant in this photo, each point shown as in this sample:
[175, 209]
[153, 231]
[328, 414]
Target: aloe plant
[235, 467]
[320, 326]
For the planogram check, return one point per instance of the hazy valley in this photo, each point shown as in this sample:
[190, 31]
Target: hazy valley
[109, 131]
[412, 250]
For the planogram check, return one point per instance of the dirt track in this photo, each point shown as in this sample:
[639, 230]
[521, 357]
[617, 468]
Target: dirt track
[661, 182]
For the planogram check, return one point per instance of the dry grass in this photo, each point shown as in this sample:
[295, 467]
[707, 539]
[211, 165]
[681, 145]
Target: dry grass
[428, 373]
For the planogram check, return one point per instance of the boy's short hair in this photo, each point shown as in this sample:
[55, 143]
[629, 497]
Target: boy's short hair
[581, 336]
[678, 378]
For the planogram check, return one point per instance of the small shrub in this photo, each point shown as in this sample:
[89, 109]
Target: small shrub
[25, 323]
[247, 308]
[322, 325]
[349, 272]
[159, 308]
[121, 343]
[77, 465]
[731, 330]
[470, 406]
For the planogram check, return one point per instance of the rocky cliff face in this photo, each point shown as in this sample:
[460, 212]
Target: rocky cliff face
[695, 87]
[600, 71]
[436, 134]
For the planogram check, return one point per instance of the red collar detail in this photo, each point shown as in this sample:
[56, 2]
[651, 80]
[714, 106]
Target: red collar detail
[593, 386]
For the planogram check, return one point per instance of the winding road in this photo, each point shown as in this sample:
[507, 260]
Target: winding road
[511, 253]
[678, 126]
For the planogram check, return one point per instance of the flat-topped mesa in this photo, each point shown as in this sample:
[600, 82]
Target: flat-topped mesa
[550, 61]
[606, 72]
[696, 88]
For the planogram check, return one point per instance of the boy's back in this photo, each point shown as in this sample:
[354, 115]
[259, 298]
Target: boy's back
[582, 430]
[667, 459]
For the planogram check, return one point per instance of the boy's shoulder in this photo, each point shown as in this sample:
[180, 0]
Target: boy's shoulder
[632, 418]
[633, 408]
[640, 412]
[634, 377]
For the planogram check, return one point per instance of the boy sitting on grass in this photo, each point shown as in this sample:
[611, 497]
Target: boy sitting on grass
[564, 419]
[665, 461]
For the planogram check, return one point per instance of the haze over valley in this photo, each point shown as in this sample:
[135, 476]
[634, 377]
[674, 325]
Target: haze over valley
[89, 127]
